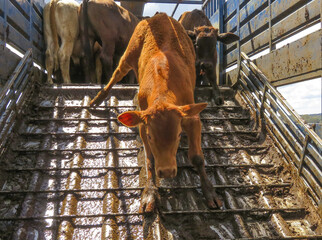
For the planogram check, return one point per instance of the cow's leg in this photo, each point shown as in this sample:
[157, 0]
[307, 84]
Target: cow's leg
[192, 126]
[150, 196]
[98, 69]
[49, 66]
[212, 77]
[64, 54]
[107, 58]
[98, 63]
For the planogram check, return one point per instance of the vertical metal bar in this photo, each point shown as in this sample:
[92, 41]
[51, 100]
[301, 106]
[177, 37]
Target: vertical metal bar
[270, 25]
[238, 43]
[5, 34]
[261, 111]
[221, 46]
[30, 23]
[175, 9]
[306, 141]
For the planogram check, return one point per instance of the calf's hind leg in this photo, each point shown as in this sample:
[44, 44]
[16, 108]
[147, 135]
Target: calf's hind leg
[64, 54]
[192, 126]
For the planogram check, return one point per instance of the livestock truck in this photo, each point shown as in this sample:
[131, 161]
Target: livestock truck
[69, 171]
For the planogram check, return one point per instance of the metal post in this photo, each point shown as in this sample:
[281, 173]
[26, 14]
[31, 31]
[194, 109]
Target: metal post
[271, 48]
[30, 23]
[6, 29]
[220, 44]
[306, 141]
[175, 9]
[261, 111]
[238, 43]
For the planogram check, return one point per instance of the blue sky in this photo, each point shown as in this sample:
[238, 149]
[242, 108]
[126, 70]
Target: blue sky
[151, 8]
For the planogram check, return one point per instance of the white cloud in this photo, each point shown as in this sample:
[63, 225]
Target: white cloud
[305, 97]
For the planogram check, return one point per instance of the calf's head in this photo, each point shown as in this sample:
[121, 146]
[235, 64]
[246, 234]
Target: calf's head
[162, 131]
[205, 40]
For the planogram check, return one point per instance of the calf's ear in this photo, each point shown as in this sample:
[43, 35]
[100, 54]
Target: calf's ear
[227, 38]
[192, 35]
[130, 118]
[192, 109]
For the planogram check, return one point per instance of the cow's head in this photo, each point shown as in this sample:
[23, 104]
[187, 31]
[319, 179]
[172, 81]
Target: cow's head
[162, 132]
[205, 41]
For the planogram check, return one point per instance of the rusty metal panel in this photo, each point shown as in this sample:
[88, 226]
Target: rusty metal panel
[38, 39]
[247, 11]
[37, 20]
[281, 6]
[261, 20]
[230, 7]
[298, 58]
[22, 5]
[303, 15]
[8, 62]
[16, 38]
[215, 19]
[299, 18]
[18, 20]
[39, 5]
[2, 28]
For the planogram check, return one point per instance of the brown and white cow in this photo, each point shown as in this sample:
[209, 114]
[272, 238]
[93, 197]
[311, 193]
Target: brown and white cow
[205, 38]
[60, 21]
[163, 58]
[61, 30]
[110, 25]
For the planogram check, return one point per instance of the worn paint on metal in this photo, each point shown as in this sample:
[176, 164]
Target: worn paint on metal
[298, 58]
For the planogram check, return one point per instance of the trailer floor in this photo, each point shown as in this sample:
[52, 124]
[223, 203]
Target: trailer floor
[73, 172]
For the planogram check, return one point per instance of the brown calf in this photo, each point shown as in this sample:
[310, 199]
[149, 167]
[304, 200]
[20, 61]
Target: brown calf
[162, 56]
[205, 37]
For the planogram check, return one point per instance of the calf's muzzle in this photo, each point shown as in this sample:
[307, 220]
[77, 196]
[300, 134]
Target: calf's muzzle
[170, 172]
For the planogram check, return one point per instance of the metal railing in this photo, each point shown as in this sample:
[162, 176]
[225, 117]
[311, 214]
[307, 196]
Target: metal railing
[300, 145]
[13, 96]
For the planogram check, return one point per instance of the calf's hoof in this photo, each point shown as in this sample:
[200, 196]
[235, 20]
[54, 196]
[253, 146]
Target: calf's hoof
[212, 199]
[219, 101]
[149, 200]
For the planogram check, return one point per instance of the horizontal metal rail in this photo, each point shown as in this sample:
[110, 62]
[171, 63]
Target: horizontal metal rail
[71, 191]
[13, 95]
[137, 149]
[110, 215]
[301, 144]
[284, 238]
[102, 134]
[115, 119]
[78, 107]
[135, 167]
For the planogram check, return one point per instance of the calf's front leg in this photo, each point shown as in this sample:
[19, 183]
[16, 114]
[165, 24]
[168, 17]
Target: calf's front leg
[192, 126]
[150, 196]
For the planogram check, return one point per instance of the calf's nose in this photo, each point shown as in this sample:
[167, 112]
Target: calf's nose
[167, 172]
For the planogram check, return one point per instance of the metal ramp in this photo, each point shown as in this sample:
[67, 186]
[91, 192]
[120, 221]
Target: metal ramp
[73, 172]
